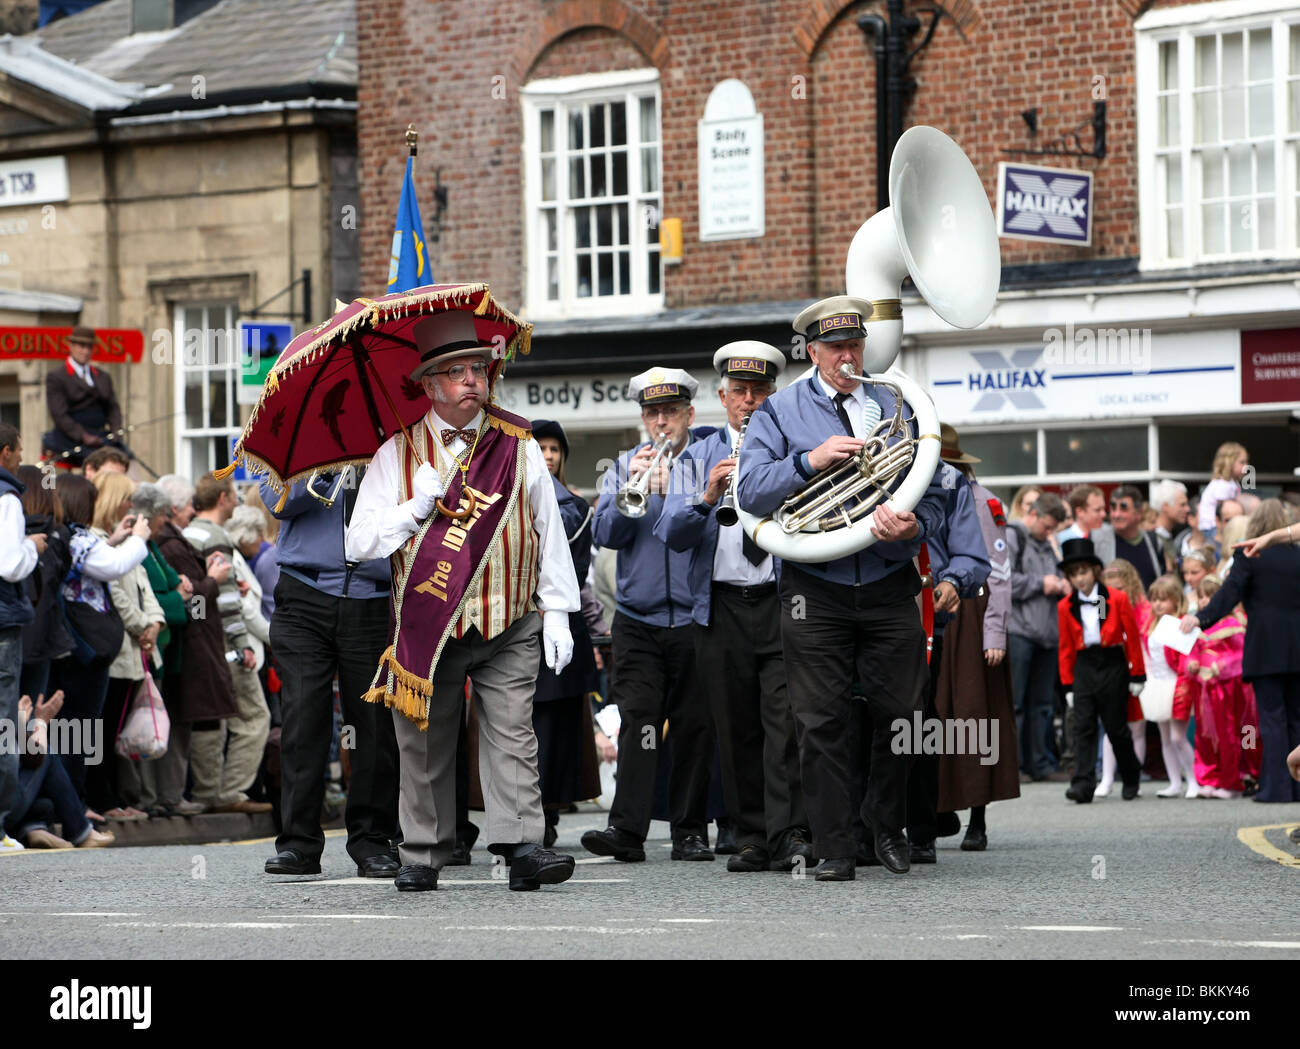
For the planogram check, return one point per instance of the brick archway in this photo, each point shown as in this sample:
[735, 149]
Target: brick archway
[569, 15]
[821, 13]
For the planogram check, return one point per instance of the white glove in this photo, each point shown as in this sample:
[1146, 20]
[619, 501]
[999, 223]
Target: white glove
[1135, 688]
[426, 489]
[1069, 700]
[557, 642]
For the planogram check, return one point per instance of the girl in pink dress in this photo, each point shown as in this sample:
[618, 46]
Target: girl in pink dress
[1121, 574]
[1221, 705]
[1159, 698]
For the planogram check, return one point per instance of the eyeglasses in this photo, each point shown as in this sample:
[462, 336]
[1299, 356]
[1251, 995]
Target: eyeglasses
[666, 413]
[456, 373]
[1122, 504]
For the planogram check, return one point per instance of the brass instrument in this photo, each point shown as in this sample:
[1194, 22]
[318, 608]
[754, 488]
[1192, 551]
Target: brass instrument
[328, 500]
[632, 497]
[846, 491]
[726, 512]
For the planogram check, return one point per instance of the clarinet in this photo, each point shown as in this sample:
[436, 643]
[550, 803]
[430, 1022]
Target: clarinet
[726, 512]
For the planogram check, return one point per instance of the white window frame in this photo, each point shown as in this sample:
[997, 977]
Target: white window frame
[1182, 25]
[184, 365]
[559, 93]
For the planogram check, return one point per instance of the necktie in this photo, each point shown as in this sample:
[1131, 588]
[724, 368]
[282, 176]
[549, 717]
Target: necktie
[465, 435]
[840, 400]
[754, 553]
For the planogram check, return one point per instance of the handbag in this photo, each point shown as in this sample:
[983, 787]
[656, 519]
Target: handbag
[96, 628]
[144, 728]
[1157, 699]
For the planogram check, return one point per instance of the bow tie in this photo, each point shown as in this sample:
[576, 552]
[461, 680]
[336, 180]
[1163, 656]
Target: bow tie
[1085, 601]
[465, 435]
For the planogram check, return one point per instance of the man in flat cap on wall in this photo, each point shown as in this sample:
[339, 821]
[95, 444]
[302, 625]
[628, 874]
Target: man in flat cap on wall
[854, 616]
[468, 508]
[81, 401]
[654, 643]
[738, 630]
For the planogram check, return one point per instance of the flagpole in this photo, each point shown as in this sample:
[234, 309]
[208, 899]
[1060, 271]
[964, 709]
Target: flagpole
[412, 139]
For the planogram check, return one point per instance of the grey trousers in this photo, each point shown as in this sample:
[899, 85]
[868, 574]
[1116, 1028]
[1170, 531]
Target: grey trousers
[222, 773]
[504, 673]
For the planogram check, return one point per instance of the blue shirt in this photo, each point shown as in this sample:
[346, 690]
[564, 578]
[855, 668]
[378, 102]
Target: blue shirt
[310, 546]
[957, 551]
[653, 581]
[774, 463]
[690, 524]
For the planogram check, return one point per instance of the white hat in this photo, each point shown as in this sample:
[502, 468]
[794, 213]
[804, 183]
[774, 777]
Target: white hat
[661, 385]
[749, 359]
[446, 335]
[835, 319]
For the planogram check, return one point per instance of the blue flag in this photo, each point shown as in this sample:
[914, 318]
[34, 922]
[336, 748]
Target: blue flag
[408, 267]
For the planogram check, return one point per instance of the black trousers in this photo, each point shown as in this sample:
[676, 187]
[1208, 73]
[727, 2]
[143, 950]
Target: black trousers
[739, 661]
[923, 780]
[315, 635]
[832, 633]
[1101, 691]
[654, 679]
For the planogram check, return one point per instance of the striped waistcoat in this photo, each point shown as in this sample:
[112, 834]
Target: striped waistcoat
[505, 588]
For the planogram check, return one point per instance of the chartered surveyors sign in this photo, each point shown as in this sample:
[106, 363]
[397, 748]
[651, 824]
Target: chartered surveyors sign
[1037, 203]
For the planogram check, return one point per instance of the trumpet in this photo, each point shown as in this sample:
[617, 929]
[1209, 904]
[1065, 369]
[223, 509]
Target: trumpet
[632, 497]
[726, 512]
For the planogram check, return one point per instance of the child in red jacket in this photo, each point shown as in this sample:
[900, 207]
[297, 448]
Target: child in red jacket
[1101, 664]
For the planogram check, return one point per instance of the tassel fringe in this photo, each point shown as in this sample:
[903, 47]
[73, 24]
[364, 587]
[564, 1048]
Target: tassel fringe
[411, 693]
[226, 471]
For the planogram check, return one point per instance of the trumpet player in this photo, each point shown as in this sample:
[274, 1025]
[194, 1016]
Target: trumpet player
[738, 634]
[654, 636]
[854, 615]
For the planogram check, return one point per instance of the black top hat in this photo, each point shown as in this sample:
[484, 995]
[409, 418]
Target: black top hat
[549, 428]
[1074, 551]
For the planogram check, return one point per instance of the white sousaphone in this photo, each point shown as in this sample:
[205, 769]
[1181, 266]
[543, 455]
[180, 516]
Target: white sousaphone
[940, 230]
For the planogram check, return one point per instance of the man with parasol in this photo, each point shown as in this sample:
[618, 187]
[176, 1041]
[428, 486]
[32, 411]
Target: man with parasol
[464, 505]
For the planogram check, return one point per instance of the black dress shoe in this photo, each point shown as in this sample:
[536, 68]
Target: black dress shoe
[975, 841]
[922, 853]
[797, 853]
[539, 867]
[460, 855]
[692, 847]
[1130, 791]
[949, 825]
[750, 858]
[835, 870]
[291, 861]
[891, 850]
[380, 865]
[1082, 795]
[726, 841]
[614, 842]
[416, 877]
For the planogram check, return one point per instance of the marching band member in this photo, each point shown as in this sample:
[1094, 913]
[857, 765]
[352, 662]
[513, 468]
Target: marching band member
[738, 635]
[855, 614]
[463, 593]
[654, 642]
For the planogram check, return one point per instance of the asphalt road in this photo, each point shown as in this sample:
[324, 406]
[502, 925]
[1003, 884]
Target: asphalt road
[1152, 878]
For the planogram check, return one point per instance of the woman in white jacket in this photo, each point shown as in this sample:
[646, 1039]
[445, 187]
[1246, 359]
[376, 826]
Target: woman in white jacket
[96, 561]
[123, 789]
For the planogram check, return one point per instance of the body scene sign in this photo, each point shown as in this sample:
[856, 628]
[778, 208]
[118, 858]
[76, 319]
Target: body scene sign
[112, 345]
[1037, 203]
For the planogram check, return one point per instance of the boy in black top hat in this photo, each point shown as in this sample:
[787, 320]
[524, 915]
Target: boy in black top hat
[1101, 663]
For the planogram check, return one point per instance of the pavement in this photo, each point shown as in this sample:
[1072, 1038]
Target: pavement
[1152, 878]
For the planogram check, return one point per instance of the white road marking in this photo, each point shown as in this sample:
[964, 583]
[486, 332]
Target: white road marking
[1069, 928]
[596, 859]
[551, 928]
[388, 882]
[95, 914]
[686, 921]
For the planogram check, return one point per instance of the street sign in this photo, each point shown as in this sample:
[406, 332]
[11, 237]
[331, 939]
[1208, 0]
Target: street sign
[260, 346]
[1038, 203]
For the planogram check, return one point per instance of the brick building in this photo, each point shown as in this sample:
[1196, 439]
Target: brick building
[563, 131]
